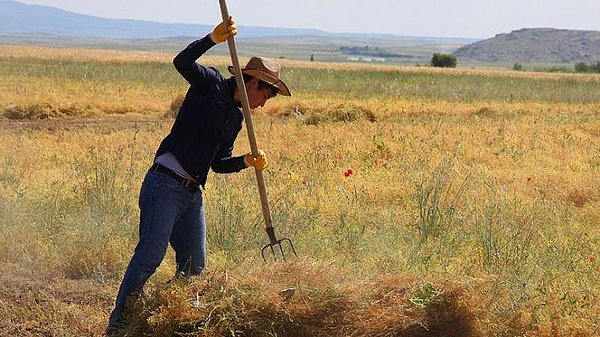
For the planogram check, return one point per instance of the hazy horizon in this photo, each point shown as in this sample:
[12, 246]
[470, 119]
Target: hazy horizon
[459, 18]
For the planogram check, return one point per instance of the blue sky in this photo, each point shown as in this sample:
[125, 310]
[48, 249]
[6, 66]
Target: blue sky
[444, 18]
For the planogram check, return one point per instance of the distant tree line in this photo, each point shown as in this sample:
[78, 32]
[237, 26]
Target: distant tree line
[581, 67]
[371, 51]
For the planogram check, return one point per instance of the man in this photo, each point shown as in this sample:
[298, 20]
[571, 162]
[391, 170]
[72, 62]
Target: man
[201, 138]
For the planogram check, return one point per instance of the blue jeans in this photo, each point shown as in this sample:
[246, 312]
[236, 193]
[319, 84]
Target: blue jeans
[169, 213]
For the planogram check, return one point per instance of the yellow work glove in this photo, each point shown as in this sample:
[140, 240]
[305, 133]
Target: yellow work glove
[221, 32]
[259, 162]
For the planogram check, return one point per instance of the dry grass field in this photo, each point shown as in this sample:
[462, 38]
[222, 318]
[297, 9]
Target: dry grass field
[472, 208]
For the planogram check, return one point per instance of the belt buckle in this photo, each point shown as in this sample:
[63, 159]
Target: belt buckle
[188, 183]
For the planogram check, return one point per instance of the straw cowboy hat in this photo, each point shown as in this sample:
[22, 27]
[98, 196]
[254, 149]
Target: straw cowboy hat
[267, 71]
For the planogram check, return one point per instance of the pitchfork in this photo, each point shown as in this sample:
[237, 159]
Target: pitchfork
[254, 147]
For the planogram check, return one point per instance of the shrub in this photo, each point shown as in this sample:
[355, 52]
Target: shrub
[443, 60]
[517, 66]
[581, 67]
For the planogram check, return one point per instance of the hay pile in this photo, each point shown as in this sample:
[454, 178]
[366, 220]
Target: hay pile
[324, 304]
[48, 111]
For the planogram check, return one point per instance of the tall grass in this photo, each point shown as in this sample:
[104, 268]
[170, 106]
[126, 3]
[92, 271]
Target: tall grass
[141, 84]
[448, 86]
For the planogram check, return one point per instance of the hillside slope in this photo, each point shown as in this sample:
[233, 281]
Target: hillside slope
[20, 18]
[534, 45]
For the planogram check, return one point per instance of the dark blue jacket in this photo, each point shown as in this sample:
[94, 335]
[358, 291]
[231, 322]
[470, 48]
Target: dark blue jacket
[208, 121]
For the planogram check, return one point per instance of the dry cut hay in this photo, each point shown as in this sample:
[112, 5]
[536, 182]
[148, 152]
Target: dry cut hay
[48, 111]
[315, 114]
[325, 303]
[175, 106]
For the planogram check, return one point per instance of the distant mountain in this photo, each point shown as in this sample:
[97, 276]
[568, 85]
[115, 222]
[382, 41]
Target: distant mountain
[534, 45]
[18, 19]
[24, 24]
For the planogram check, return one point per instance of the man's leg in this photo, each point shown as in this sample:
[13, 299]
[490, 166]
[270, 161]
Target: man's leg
[162, 201]
[188, 239]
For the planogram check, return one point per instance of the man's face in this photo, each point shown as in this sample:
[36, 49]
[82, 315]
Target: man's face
[257, 97]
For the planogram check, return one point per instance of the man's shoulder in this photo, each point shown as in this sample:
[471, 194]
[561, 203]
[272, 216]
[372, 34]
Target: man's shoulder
[214, 73]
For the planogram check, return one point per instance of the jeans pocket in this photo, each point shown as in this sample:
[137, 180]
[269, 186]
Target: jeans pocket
[148, 188]
[169, 183]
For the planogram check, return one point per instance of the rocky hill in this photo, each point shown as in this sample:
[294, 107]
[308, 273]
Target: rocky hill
[534, 45]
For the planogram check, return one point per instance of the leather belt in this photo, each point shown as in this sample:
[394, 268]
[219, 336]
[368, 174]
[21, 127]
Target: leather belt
[186, 183]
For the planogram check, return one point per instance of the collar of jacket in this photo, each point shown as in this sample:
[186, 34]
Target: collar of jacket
[231, 85]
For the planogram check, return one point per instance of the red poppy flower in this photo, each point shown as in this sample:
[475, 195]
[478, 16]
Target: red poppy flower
[348, 172]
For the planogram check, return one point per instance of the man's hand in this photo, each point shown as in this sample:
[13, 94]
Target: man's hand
[259, 162]
[221, 32]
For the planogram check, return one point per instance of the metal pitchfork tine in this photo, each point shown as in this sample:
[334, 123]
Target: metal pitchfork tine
[254, 147]
[274, 242]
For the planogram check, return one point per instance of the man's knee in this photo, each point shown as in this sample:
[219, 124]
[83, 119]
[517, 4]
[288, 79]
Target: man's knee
[148, 262]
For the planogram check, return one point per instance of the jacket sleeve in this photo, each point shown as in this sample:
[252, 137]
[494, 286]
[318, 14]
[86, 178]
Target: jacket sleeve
[186, 65]
[224, 162]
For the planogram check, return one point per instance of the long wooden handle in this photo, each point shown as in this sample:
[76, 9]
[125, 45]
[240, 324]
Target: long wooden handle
[248, 117]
